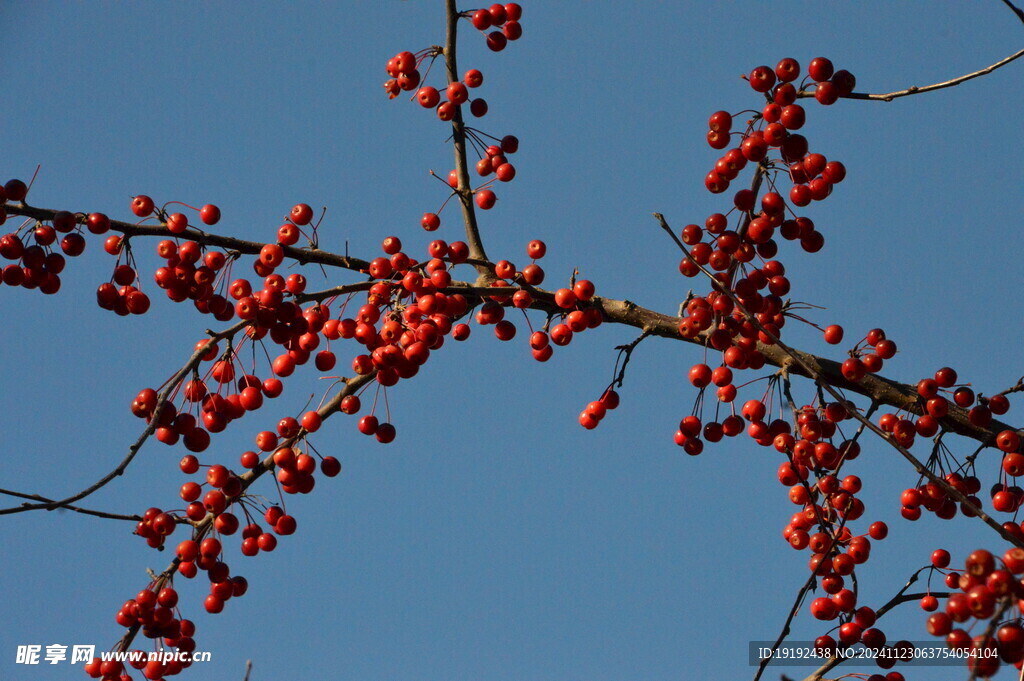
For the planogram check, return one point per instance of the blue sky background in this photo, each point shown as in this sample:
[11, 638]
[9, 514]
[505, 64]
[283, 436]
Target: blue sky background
[495, 539]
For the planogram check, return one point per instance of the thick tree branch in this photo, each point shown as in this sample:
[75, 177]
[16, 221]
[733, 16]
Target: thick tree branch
[877, 387]
[300, 255]
[824, 383]
[464, 191]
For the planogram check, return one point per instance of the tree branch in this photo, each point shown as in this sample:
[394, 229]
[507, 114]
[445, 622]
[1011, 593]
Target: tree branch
[162, 398]
[300, 255]
[69, 507]
[822, 381]
[877, 387]
[917, 90]
[464, 192]
[1016, 10]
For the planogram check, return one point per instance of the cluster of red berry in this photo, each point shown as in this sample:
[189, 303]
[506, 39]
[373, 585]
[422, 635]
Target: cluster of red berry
[407, 308]
[986, 588]
[506, 17]
[405, 75]
[39, 264]
[181, 278]
[905, 427]
[153, 610]
[745, 309]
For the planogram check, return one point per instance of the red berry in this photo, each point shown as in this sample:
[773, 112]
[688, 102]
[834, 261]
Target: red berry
[456, 93]
[498, 15]
[485, 198]
[820, 69]
[16, 190]
[844, 81]
[762, 78]
[428, 97]
[481, 20]
[584, 289]
[826, 93]
[368, 425]
[787, 70]
[720, 121]
[496, 41]
[385, 433]
[430, 222]
[98, 223]
[301, 214]
[1007, 441]
[142, 205]
[209, 214]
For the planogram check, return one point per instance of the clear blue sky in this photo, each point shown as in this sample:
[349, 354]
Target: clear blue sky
[495, 539]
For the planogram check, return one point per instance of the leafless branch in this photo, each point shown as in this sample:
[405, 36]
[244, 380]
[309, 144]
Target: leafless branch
[299, 255]
[69, 507]
[464, 191]
[917, 90]
[162, 398]
[1016, 10]
[625, 353]
[879, 388]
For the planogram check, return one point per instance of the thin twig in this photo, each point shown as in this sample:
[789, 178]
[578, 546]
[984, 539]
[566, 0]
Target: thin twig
[625, 352]
[154, 420]
[69, 507]
[1016, 10]
[916, 90]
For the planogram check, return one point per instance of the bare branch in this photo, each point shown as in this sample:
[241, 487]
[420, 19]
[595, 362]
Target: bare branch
[917, 90]
[1016, 10]
[465, 193]
[69, 507]
[625, 353]
[299, 255]
[808, 585]
[162, 398]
